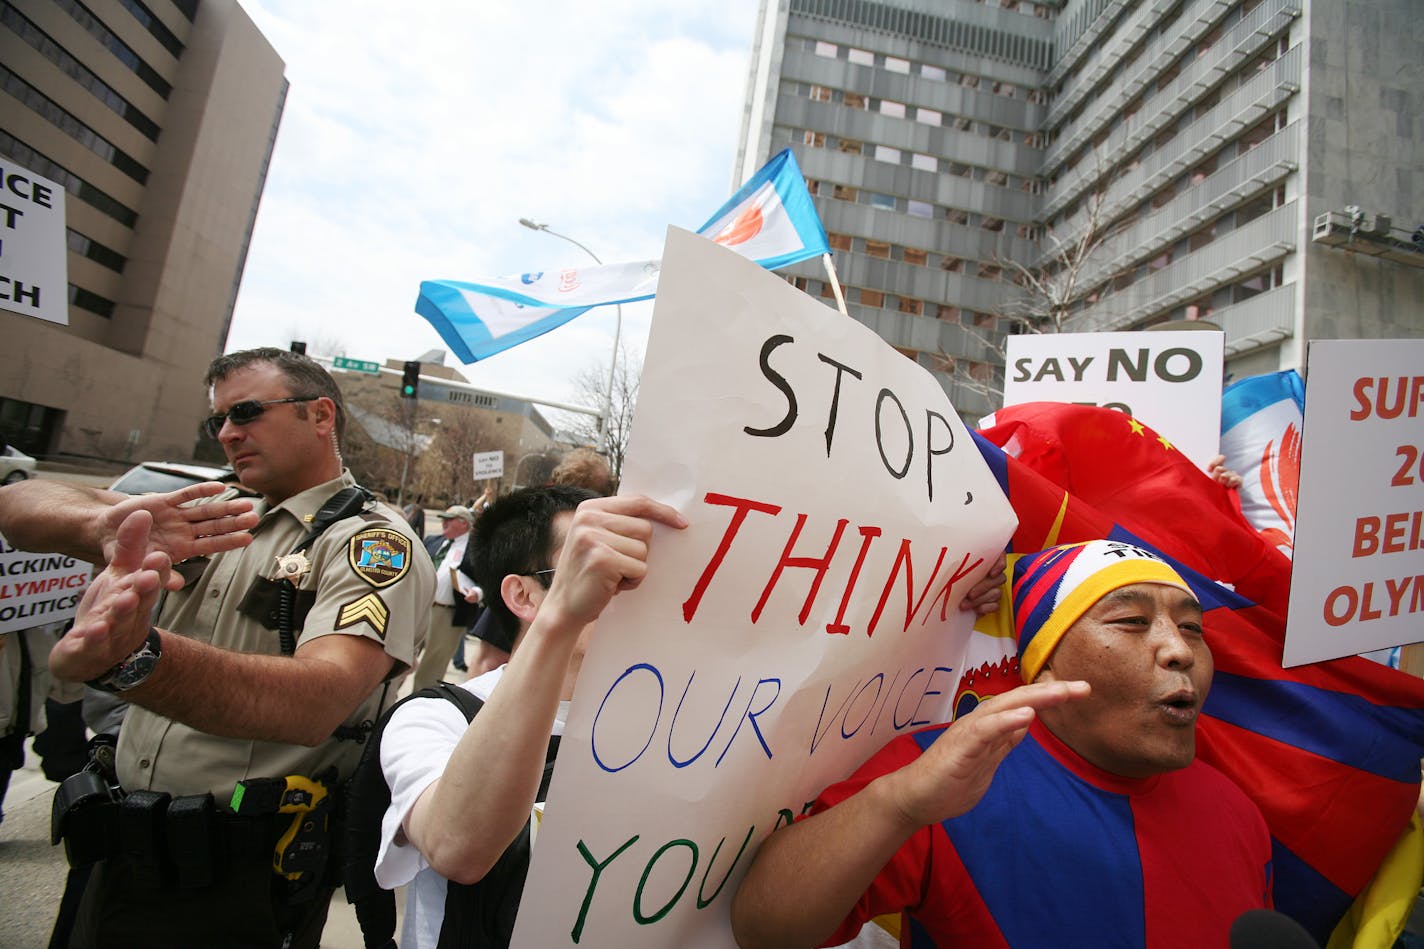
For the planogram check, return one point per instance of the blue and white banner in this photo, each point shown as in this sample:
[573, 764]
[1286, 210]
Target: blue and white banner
[1261, 423]
[770, 219]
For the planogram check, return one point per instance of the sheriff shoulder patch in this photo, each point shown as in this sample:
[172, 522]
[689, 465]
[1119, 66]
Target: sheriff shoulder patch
[369, 609]
[379, 555]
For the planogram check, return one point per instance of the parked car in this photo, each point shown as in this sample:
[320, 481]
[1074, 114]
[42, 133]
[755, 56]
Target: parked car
[15, 465]
[153, 477]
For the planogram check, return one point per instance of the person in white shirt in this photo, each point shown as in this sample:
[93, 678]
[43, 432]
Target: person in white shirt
[461, 793]
[445, 634]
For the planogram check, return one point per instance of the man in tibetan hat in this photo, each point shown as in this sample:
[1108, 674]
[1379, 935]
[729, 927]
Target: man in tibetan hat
[1068, 812]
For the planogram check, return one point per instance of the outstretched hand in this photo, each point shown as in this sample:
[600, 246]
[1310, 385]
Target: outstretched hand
[113, 616]
[953, 774]
[182, 532]
[606, 551]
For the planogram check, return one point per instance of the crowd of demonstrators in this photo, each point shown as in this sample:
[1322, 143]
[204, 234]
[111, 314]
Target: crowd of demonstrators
[967, 828]
[450, 610]
[284, 612]
[287, 608]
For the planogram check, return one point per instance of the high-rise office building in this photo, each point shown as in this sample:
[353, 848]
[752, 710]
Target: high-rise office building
[1255, 163]
[157, 118]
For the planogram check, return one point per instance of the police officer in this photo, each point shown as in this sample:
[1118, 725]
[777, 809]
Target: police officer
[255, 682]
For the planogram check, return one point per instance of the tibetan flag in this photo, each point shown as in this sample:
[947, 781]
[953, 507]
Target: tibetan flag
[770, 219]
[1330, 752]
[1261, 422]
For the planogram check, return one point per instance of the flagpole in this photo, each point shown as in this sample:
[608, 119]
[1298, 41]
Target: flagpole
[617, 333]
[835, 283]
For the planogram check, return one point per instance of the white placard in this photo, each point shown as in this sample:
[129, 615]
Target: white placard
[488, 464]
[38, 588]
[34, 255]
[838, 512]
[1169, 380]
[1357, 578]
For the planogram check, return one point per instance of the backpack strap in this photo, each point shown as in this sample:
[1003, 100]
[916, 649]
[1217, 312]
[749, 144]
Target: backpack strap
[366, 800]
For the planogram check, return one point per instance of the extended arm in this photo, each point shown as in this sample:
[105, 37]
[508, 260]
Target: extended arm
[299, 699]
[52, 516]
[834, 856]
[468, 816]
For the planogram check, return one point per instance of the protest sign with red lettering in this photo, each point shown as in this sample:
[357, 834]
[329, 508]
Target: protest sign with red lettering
[839, 511]
[38, 588]
[1358, 577]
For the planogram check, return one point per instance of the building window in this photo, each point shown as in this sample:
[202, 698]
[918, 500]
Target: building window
[827, 50]
[912, 306]
[87, 300]
[860, 57]
[896, 64]
[814, 139]
[854, 100]
[947, 313]
[849, 145]
[919, 208]
[845, 193]
[887, 154]
[820, 93]
[932, 72]
[896, 110]
[916, 256]
[928, 117]
[877, 249]
[838, 241]
[871, 298]
[883, 202]
[924, 162]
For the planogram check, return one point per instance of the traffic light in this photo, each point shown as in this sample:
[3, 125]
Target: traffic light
[410, 380]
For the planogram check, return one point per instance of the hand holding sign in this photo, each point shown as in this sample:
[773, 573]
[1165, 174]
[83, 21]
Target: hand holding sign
[605, 551]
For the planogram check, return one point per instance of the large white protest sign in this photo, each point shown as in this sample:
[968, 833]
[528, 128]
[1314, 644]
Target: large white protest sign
[38, 588]
[1357, 579]
[34, 255]
[838, 513]
[1170, 381]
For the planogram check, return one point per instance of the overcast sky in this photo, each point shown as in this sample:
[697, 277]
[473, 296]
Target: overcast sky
[416, 135]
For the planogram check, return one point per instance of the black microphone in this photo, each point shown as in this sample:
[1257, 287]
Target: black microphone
[1268, 929]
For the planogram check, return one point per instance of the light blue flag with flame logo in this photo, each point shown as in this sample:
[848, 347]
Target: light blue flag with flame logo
[770, 219]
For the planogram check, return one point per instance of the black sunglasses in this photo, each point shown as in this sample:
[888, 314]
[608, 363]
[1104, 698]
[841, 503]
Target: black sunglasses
[240, 413]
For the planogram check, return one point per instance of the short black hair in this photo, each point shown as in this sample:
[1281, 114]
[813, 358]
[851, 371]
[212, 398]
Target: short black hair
[515, 535]
[305, 376]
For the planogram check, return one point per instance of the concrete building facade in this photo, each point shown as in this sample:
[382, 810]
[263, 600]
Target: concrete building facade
[158, 118]
[1152, 161]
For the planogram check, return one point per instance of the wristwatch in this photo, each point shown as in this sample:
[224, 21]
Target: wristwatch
[133, 670]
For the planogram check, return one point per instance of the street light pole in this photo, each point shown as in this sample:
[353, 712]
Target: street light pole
[617, 333]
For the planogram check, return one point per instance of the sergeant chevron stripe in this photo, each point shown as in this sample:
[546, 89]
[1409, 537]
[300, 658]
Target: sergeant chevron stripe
[369, 609]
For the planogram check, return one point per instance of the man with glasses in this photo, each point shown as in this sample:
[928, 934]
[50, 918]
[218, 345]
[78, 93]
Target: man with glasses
[551, 559]
[252, 693]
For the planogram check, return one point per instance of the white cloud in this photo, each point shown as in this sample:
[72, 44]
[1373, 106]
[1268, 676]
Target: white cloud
[416, 135]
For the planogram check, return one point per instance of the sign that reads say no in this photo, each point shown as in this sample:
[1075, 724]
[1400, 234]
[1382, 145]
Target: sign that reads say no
[488, 464]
